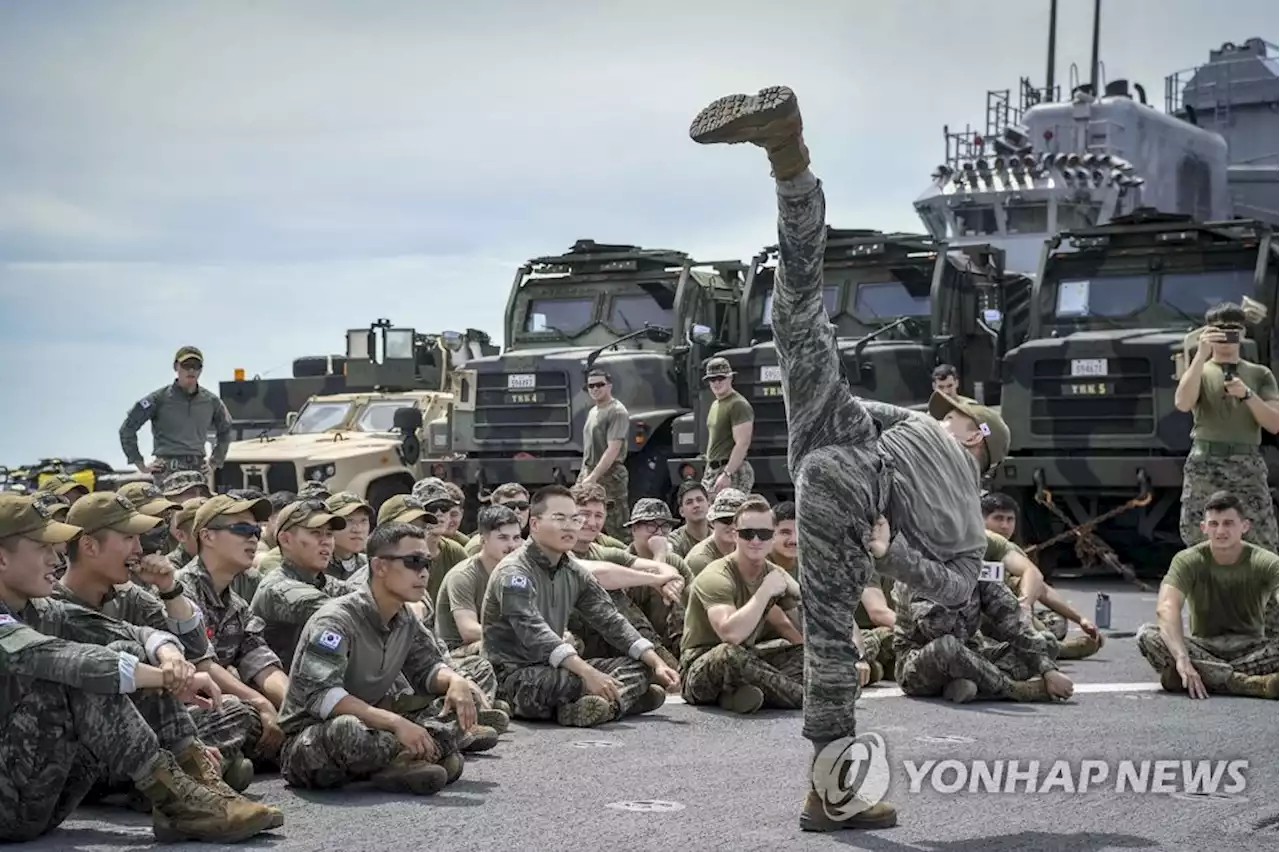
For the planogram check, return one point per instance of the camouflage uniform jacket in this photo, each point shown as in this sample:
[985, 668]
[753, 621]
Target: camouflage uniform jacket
[63, 643]
[287, 598]
[991, 605]
[180, 424]
[345, 569]
[179, 558]
[136, 605]
[527, 605]
[235, 634]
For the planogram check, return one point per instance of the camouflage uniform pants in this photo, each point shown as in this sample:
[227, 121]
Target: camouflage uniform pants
[1216, 658]
[1244, 476]
[743, 479]
[924, 672]
[616, 483]
[173, 464]
[233, 729]
[474, 668]
[1049, 621]
[55, 744]
[778, 671]
[343, 750]
[535, 692]
[595, 645]
[878, 644]
[666, 619]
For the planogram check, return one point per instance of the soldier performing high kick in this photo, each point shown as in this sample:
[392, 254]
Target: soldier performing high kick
[894, 494]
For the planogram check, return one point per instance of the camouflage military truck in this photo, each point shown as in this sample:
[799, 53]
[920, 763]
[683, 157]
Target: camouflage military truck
[368, 439]
[1089, 395]
[648, 316]
[901, 304]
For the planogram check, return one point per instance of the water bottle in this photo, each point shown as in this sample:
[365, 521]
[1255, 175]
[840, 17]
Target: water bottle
[1102, 612]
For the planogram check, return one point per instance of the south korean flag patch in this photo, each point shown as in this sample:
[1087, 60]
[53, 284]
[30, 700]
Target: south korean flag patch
[329, 640]
[519, 582]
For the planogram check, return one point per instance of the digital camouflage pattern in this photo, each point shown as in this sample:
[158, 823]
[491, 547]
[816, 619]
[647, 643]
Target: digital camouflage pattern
[180, 428]
[286, 599]
[182, 480]
[776, 671]
[630, 603]
[136, 605]
[877, 644]
[743, 479]
[1222, 661]
[543, 692]
[1244, 475]
[235, 634]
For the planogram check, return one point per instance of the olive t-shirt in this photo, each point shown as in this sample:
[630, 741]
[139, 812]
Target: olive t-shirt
[702, 555]
[1223, 418]
[462, 588]
[1225, 599]
[605, 424]
[998, 547]
[721, 584]
[451, 553]
[724, 414]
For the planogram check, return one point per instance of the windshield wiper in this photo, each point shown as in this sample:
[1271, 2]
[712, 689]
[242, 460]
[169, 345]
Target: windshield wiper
[1195, 323]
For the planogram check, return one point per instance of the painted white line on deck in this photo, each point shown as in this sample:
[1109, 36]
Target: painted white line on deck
[1081, 689]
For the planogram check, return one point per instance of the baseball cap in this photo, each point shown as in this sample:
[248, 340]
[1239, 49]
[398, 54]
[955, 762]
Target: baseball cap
[726, 505]
[404, 509]
[183, 480]
[649, 509]
[223, 504]
[345, 503]
[104, 510]
[433, 490]
[188, 353]
[717, 367]
[149, 499]
[314, 491]
[187, 514]
[994, 430]
[62, 484]
[24, 516]
[58, 506]
[307, 515]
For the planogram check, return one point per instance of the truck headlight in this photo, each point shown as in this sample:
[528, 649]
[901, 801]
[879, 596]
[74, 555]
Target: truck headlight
[319, 472]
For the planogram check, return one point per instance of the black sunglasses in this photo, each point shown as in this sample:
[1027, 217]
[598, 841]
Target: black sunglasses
[517, 506]
[595, 385]
[751, 534]
[415, 562]
[244, 529]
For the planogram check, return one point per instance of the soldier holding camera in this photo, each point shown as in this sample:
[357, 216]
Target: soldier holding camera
[1231, 401]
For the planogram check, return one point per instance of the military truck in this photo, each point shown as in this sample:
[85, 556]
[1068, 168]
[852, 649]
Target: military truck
[367, 439]
[1089, 395]
[900, 304]
[648, 316]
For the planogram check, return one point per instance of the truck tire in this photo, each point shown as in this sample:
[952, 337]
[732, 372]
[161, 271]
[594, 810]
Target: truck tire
[647, 471]
[382, 490]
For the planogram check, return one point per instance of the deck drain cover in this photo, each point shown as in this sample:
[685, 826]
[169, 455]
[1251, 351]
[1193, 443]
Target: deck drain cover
[595, 744]
[950, 739]
[647, 806]
[1209, 797]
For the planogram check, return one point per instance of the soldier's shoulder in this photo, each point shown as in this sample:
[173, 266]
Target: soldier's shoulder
[453, 549]
[1262, 557]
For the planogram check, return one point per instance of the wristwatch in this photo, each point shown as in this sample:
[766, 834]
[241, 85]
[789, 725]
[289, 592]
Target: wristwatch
[173, 594]
[1247, 393]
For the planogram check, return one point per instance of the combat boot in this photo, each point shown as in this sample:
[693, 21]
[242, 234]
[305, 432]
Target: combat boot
[478, 738]
[1028, 690]
[877, 673]
[196, 763]
[492, 717]
[453, 767]
[653, 698]
[408, 774]
[502, 707]
[238, 773]
[1079, 647]
[814, 817]
[770, 119]
[960, 691]
[1171, 681]
[1254, 686]
[587, 712]
[183, 809]
[746, 699]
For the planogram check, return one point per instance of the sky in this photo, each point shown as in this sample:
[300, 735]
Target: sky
[256, 177]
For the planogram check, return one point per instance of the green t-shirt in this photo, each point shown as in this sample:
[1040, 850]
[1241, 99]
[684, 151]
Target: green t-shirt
[1225, 419]
[724, 414]
[702, 555]
[1225, 599]
[998, 547]
[721, 584]
[451, 553]
[605, 424]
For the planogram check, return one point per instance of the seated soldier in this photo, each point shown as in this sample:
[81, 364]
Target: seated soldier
[1227, 584]
[184, 519]
[288, 596]
[732, 600]
[445, 552]
[650, 527]
[940, 651]
[692, 502]
[875, 618]
[343, 718]
[268, 556]
[68, 675]
[453, 518]
[1000, 516]
[56, 508]
[626, 574]
[149, 500]
[513, 496]
[183, 485]
[349, 543]
[227, 532]
[721, 542]
[526, 612]
[65, 486]
[785, 554]
[462, 592]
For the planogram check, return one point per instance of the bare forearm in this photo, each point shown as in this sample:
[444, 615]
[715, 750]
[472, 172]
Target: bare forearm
[1187, 394]
[1171, 633]
[1266, 413]
[1057, 603]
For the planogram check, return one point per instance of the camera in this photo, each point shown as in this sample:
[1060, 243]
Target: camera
[1232, 335]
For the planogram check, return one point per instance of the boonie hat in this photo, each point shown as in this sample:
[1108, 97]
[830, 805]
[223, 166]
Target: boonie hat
[717, 367]
[433, 490]
[104, 510]
[346, 503]
[314, 491]
[308, 515]
[404, 509]
[223, 504]
[24, 516]
[183, 480]
[650, 509]
[995, 432]
[149, 499]
[726, 505]
[62, 484]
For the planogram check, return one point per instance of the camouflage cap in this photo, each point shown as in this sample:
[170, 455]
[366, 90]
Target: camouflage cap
[56, 505]
[314, 491]
[717, 367]
[104, 510]
[148, 498]
[508, 490]
[307, 514]
[346, 503]
[62, 484]
[183, 480]
[726, 505]
[24, 516]
[223, 504]
[432, 490]
[187, 514]
[404, 509]
[650, 509]
[188, 353]
[994, 430]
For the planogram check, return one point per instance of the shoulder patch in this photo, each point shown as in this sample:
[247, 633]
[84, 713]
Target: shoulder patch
[145, 402]
[7, 619]
[517, 581]
[329, 640]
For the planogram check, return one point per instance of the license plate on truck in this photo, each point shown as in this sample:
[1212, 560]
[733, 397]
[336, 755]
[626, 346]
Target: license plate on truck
[1089, 366]
[770, 374]
[521, 381]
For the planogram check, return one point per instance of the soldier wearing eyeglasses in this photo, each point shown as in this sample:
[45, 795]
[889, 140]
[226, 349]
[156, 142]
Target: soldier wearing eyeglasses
[731, 602]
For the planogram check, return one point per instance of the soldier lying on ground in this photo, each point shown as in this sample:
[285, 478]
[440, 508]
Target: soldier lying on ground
[526, 613]
[650, 525]
[343, 718]
[692, 503]
[69, 718]
[1227, 584]
[349, 543]
[731, 602]
[721, 542]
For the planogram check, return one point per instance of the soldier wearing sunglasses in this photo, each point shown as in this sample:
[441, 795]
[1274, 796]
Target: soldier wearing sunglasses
[513, 496]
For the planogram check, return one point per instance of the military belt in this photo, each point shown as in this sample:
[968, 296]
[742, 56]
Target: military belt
[1203, 449]
[716, 465]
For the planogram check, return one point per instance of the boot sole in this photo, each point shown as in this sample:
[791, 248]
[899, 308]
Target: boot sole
[826, 826]
[481, 743]
[742, 118]
[241, 834]
[423, 783]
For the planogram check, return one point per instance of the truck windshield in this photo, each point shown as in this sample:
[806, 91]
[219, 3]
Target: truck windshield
[565, 315]
[380, 416]
[888, 300]
[1194, 293]
[316, 417]
[1103, 296]
[632, 313]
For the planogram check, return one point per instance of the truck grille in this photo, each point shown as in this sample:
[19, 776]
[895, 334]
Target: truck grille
[1121, 402]
[281, 476]
[519, 415]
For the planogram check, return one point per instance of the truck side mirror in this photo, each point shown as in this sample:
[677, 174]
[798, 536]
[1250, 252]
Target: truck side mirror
[407, 420]
[290, 419]
[993, 318]
[703, 335]
[658, 335]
